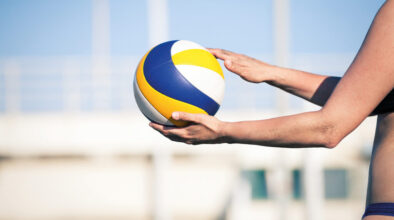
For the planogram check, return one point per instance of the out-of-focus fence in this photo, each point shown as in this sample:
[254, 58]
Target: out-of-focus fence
[74, 145]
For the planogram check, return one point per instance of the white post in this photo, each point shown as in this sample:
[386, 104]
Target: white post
[240, 201]
[157, 22]
[313, 186]
[313, 180]
[281, 58]
[158, 32]
[281, 44]
[12, 90]
[100, 53]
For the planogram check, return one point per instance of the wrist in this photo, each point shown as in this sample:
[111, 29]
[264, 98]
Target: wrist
[275, 77]
[274, 72]
[225, 132]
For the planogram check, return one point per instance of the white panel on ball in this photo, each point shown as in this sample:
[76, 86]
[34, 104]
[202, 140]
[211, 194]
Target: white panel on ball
[147, 108]
[183, 45]
[207, 81]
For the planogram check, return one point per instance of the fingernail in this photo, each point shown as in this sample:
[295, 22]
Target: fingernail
[175, 115]
[150, 124]
[228, 63]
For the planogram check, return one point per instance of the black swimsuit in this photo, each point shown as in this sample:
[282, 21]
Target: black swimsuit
[385, 209]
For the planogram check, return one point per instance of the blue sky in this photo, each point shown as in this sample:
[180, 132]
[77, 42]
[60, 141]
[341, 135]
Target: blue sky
[51, 28]
[44, 27]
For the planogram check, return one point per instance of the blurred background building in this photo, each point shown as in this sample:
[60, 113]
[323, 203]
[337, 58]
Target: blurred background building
[73, 144]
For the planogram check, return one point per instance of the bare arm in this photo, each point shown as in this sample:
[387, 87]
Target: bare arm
[365, 84]
[309, 86]
[317, 88]
[368, 80]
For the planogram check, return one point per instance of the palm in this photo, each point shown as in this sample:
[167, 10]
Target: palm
[204, 129]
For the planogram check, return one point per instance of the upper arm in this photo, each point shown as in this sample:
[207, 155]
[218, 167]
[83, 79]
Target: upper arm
[368, 80]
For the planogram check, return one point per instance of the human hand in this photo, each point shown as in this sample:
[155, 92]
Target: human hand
[248, 68]
[202, 129]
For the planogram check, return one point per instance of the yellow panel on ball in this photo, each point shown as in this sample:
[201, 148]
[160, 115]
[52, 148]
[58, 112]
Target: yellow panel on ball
[198, 57]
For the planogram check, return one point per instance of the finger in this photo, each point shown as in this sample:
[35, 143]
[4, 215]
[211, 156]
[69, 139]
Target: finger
[170, 132]
[219, 53]
[213, 51]
[226, 56]
[195, 142]
[162, 128]
[157, 127]
[177, 139]
[229, 65]
[184, 116]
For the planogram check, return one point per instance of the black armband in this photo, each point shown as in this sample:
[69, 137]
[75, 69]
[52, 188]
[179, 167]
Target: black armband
[386, 105]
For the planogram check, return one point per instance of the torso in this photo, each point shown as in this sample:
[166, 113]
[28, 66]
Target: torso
[381, 175]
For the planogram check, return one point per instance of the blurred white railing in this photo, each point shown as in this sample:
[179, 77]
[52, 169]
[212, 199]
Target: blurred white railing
[74, 84]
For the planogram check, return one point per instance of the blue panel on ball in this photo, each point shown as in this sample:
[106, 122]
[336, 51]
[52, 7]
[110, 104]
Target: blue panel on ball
[162, 75]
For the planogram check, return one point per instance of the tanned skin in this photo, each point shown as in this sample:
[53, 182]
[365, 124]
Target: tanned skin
[364, 89]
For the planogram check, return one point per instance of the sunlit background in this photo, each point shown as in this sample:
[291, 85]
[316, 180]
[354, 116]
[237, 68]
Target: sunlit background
[73, 144]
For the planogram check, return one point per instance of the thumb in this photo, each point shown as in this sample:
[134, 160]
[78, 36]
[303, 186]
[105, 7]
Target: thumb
[184, 116]
[230, 66]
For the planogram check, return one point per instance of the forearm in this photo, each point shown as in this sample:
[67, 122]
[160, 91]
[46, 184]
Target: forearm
[302, 130]
[311, 87]
[317, 88]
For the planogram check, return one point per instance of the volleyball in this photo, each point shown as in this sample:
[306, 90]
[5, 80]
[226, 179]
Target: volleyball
[181, 76]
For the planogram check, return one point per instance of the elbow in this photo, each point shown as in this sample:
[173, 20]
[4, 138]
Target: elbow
[331, 142]
[329, 135]
[332, 129]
